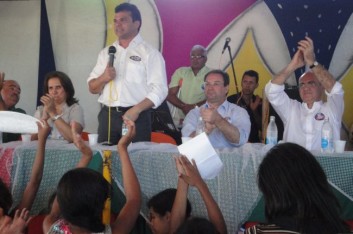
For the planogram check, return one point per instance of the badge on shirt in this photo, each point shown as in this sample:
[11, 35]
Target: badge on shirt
[135, 58]
[319, 116]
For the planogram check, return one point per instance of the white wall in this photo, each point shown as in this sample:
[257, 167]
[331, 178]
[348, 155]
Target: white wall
[78, 31]
[78, 34]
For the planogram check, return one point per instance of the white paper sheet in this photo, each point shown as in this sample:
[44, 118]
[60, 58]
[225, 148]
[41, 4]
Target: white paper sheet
[207, 160]
[15, 122]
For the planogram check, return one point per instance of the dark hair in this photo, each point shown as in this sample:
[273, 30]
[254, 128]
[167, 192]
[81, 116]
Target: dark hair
[224, 75]
[81, 196]
[163, 201]
[5, 198]
[252, 73]
[197, 225]
[135, 13]
[295, 186]
[66, 83]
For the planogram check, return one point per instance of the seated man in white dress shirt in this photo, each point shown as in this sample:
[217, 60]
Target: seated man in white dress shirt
[226, 124]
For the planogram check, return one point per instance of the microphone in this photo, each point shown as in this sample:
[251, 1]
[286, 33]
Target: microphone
[226, 44]
[111, 52]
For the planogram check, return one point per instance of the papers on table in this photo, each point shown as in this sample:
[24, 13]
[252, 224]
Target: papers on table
[15, 122]
[207, 160]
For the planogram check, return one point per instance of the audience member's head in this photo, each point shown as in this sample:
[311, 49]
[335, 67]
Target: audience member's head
[197, 225]
[10, 93]
[249, 82]
[295, 186]
[310, 88]
[160, 207]
[81, 196]
[52, 82]
[198, 57]
[5, 198]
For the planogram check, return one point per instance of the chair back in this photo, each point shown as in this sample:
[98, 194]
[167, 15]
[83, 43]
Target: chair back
[160, 137]
[84, 136]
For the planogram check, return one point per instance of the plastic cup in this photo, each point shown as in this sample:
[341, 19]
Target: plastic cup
[92, 139]
[339, 146]
[26, 138]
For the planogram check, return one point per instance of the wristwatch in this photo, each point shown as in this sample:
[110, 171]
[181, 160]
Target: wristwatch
[314, 65]
[56, 117]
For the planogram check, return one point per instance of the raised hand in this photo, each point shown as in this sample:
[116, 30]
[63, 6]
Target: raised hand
[127, 138]
[43, 129]
[306, 46]
[17, 225]
[81, 145]
[297, 60]
[191, 174]
[78, 141]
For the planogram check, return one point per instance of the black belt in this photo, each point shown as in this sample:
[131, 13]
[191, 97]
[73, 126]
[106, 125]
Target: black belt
[117, 108]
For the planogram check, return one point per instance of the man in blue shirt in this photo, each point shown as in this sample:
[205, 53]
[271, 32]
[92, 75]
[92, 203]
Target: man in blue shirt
[226, 124]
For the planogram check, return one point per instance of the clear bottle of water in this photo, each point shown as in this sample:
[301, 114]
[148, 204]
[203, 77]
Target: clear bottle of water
[272, 132]
[124, 129]
[200, 127]
[326, 137]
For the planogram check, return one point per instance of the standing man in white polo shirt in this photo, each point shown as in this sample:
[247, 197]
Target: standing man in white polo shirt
[135, 83]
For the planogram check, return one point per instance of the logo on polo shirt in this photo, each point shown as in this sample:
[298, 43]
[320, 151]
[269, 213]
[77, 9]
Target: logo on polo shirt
[135, 58]
[319, 116]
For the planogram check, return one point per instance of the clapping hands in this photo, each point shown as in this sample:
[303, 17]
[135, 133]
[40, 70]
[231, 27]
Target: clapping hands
[188, 171]
[81, 145]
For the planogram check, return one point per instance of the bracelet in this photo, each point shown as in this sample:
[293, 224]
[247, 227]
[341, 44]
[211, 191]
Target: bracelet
[56, 117]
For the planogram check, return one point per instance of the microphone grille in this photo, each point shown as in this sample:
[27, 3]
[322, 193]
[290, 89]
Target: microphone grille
[112, 50]
[228, 39]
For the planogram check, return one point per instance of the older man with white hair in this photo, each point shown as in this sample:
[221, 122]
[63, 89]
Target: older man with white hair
[303, 121]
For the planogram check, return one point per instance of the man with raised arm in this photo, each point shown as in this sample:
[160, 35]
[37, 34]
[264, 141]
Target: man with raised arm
[303, 121]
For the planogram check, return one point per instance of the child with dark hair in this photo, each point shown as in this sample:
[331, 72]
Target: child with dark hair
[298, 198]
[189, 175]
[20, 213]
[160, 207]
[197, 225]
[82, 192]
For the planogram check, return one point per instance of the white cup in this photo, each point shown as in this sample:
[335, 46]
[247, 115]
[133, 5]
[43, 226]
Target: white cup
[339, 146]
[185, 139]
[92, 139]
[26, 138]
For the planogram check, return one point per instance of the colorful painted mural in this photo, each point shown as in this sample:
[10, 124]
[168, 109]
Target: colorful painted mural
[264, 35]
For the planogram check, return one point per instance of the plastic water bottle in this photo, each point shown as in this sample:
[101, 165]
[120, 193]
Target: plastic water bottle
[200, 127]
[124, 129]
[272, 132]
[326, 137]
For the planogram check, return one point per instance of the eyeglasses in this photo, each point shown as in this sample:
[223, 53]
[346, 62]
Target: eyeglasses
[215, 84]
[309, 84]
[197, 56]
